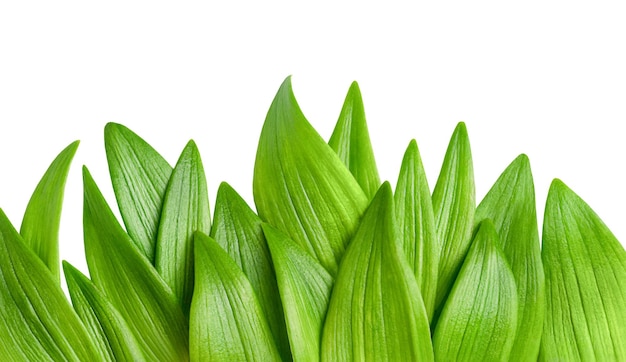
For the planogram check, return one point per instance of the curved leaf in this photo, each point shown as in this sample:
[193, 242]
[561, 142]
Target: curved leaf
[301, 186]
[585, 269]
[40, 226]
[227, 323]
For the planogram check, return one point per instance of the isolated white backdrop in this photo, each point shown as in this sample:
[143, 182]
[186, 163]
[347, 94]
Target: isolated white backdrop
[545, 79]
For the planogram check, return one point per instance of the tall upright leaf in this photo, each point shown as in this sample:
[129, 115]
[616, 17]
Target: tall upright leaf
[376, 312]
[227, 323]
[511, 205]
[36, 321]
[305, 288]
[454, 203]
[238, 230]
[300, 184]
[479, 319]
[185, 210]
[351, 141]
[139, 176]
[40, 226]
[416, 225]
[585, 268]
[131, 283]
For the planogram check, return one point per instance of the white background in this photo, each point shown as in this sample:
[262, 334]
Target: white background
[548, 80]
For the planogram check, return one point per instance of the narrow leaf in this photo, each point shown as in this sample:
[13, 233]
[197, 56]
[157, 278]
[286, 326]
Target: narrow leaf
[185, 210]
[454, 205]
[351, 141]
[139, 176]
[301, 186]
[237, 229]
[511, 205]
[479, 319]
[36, 321]
[40, 226]
[227, 323]
[305, 288]
[104, 323]
[131, 283]
[585, 269]
[416, 225]
[376, 312]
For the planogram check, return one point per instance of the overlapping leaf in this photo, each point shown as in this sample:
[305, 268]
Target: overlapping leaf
[585, 270]
[301, 186]
[226, 321]
[479, 319]
[40, 226]
[131, 283]
[416, 225]
[510, 204]
[305, 288]
[351, 141]
[376, 312]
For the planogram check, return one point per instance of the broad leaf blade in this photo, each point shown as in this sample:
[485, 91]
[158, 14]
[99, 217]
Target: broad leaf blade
[131, 283]
[238, 231]
[305, 288]
[185, 210]
[301, 186]
[40, 226]
[511, 205]
[227, 323]
[36, 321]
[104, 323]
[416, 225]
[479, 319]
[376, 312]
[585, 268]
[351, 141]
[139, 176]
[454, 203]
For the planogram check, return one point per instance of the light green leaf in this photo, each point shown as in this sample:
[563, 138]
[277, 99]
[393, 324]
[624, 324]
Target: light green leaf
[454, 204]
[185, 210]
[351, 141]
[585, 270]
[301, 186]
[416, 225]
[104, 323]
[36, 321]
[511, 205]
[479, 319]
[227, 323]
[131, 283]
[238, 231]
[139, 176]
[305, 288]
[40, 226]
[376, 312]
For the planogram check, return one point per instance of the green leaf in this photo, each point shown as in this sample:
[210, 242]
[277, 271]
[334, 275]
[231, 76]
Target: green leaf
[139, 176]
[351, 141]
[185, 210]
[40, 226]
[305, 288]
[227, 323]
[301, 186]
[511, 205]
[376, 312]
[36, 321]
[479, 319]
[454, 205]
[585, 270]
[131, 283]
[104, 323]
[416, 225]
